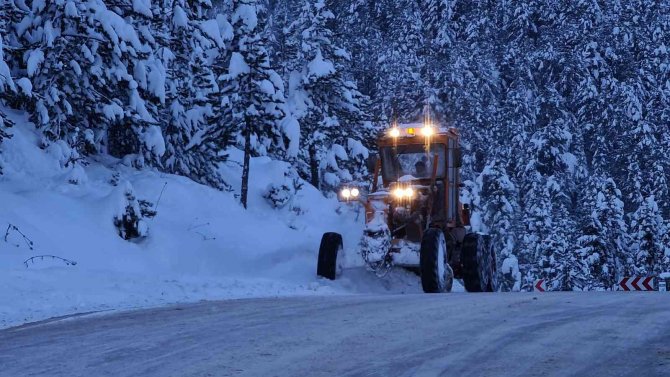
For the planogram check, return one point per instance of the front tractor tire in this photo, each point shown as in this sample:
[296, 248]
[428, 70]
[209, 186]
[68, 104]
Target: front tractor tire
[331, 246]
[479, 264]
[436, 274]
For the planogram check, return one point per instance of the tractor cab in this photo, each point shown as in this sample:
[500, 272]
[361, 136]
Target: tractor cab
[423, 161]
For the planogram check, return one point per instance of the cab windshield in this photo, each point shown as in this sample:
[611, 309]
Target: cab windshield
[412, 162]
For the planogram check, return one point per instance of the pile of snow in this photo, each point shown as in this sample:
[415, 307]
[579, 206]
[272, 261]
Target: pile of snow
[201, 244]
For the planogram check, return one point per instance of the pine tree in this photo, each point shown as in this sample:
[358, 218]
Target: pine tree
[437, 15]
[283, 46]
[81, 55]
[550, 171]
[500, 215]
[398, 77]
[649, 27]
[361, 23]
[252, 89]
[604, 240]
[646, 173]
[648, 229]
[555, 260]
[150, 74]
[665, 240]
[596, 97]
[6, 86]
[196, 132]
[468, 92]
[327, 105]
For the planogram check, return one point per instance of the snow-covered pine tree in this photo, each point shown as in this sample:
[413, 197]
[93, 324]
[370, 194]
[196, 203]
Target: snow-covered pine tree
[650, 27]
[326, 103]
[283, 45]
[46, 61]
[648, 229]
[664, 151]
[150, 74]
[131, 213]
[500, 216]
[469, 89]
[437, 16]
[549, 176]
[596, 98]
[360, 28]
[253, 91]
[142, 92]
[6, 86]
[80, 55]
[592, 247]
[665, 240]
[400, 61]
[196, 134]
[646, 173]
[518, 114]
[604, 241]
[548, 240]
[637, 57]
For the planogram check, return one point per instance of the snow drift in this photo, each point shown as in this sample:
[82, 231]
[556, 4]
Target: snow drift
[201, 244]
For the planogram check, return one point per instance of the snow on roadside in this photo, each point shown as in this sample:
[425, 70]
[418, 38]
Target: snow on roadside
[201, 245]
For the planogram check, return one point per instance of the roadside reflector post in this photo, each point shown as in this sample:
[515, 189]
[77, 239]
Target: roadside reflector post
[662, 285]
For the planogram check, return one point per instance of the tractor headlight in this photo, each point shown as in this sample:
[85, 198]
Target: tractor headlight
[427, 130]
[346, 193]
[395, 132]
[409, 192]
[399, 193]
[355, 192]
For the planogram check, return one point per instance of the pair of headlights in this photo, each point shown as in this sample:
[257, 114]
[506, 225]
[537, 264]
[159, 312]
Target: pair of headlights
[426, 130]
[403, 193]
[350, 193]
[399, 193]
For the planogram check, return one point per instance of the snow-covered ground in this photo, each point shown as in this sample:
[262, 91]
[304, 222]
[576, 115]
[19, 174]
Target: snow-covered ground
[201, 245]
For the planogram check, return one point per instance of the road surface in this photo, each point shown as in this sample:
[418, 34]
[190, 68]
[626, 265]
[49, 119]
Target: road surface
[551, 334]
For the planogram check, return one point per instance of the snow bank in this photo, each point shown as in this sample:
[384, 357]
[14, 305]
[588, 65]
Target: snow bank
[201, 245]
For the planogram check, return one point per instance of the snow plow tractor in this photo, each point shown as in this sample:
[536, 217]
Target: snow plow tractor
[413, 215]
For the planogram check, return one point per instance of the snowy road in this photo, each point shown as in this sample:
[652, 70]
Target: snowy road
[580, 334]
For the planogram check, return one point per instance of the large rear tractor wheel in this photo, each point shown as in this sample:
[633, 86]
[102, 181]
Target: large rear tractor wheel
[436, 274]
[479, 265]
[331, 246]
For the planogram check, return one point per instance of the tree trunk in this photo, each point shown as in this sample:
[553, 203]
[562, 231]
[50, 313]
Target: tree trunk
[245, 167]
[314, 167]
